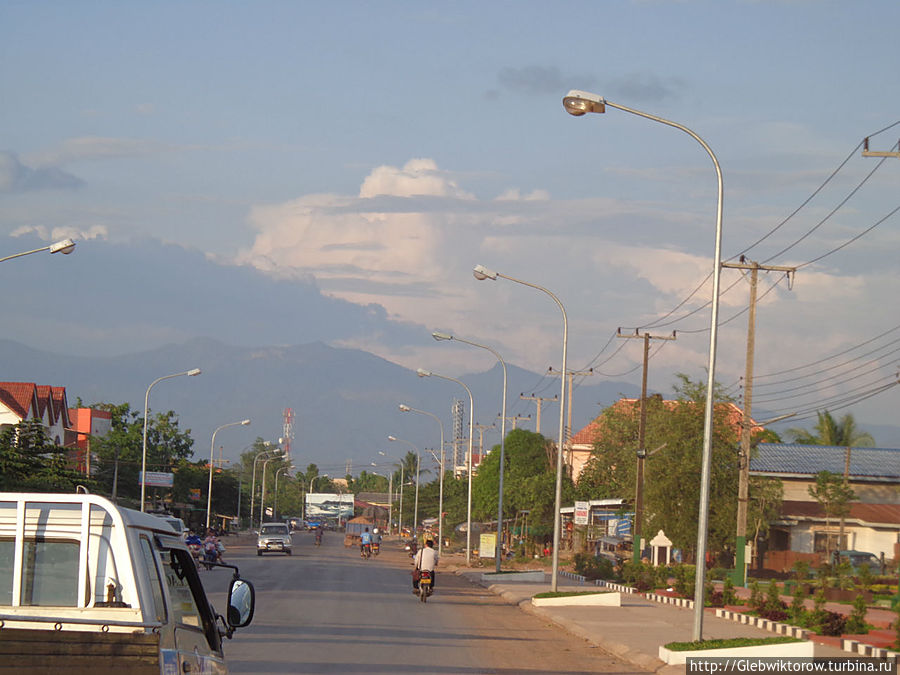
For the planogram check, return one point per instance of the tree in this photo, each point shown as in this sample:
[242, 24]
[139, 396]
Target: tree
[834, 495]
[828, 431]
[30, 463]
[674, 436]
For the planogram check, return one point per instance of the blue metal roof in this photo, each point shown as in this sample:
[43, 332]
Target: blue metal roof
[793, 458]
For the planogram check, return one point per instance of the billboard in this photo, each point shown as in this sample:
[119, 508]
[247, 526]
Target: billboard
[328, 506]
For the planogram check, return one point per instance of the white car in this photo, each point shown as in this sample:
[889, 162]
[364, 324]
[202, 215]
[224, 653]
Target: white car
[274, 538]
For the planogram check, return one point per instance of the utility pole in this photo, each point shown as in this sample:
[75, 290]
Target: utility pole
[875, 153]
[539, 401]
[740, 561]
[568, 435]
[517, 418]
[481, 429]
[641, 451]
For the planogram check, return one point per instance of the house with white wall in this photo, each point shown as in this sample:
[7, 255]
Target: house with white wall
[20, 401]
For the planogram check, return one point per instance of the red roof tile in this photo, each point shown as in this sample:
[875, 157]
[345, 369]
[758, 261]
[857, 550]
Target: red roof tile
[20, 397]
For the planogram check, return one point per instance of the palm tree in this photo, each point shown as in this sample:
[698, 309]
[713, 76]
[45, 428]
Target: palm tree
[843, 433]
[828, 431]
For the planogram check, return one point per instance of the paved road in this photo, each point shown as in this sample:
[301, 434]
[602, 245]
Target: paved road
[325, 610]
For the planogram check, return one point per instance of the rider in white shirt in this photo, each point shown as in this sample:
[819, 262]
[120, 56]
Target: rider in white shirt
[426, 559]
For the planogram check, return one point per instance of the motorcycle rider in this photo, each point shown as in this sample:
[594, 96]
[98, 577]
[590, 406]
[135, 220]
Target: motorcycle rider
[426, 559]
[365, 542]
[376, 539]
[318, 536]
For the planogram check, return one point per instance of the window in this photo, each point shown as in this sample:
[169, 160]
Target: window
[50, 573]
[823, 542]
[149, 556]
[7, 560]
[184, 604]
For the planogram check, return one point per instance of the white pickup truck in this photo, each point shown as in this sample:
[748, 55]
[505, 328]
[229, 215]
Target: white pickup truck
[87, 587]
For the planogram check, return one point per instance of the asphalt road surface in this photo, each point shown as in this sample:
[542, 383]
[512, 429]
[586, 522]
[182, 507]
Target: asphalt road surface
[326, 610]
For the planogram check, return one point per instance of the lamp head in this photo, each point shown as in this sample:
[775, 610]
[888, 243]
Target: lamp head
[66, 246]
[441, 336]
[194, 371]
[245, 422]
[404, 407]
[481, 273]
[421, 372]
[578, 103]
[392, 438]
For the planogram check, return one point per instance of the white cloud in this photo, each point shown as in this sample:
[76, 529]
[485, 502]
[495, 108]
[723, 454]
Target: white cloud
[62, 232]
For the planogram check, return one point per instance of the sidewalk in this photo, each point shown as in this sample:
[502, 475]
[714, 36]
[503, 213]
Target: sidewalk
[633, 632]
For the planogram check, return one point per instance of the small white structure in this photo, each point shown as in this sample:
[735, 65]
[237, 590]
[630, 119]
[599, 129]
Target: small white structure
[661, 549]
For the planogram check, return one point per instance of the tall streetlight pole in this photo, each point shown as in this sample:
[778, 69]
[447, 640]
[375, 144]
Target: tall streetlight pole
[190, 373]
[211, 459]
[399, 517]
[277, 472]
[498, 555]
[421, 372]
[253, 482]
[418, 464]
[262, 494]
[65, 246]
[578, 103]
[481, 273]
[406, 408]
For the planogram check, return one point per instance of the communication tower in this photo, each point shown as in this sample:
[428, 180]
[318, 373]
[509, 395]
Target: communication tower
[456, 414]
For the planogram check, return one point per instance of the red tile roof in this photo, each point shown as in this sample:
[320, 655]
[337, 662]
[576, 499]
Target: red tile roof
[20, 397]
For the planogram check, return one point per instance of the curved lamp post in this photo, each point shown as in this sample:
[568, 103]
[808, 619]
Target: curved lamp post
[277, 472]
[498, 548]
[211, 451]
[421, 372]
[578, 103]
[190, 373]
[253, 481]
[418, 463]
[399, 517]
[406, 408]
[64, 246]
[481, 273]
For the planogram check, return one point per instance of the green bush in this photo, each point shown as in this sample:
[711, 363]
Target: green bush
[684, 580]
[756, 597]
[728, 595]
[592, 567]
[641, 576]
[798, 610]
[856, 624]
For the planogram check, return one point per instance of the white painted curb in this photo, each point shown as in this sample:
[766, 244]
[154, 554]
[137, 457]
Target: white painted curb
[596, 599]
[786, 650]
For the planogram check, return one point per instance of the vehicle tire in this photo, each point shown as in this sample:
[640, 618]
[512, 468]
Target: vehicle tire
[289, 552]
[259, 553]
[423, 594]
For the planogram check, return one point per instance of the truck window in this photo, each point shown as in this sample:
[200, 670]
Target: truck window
[189, 604]
[50, 573]
[7, 559]
[149, 556]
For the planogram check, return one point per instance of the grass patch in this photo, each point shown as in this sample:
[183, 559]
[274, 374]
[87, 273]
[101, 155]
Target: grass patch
[567, 594]
[731, 642]
[511, 572]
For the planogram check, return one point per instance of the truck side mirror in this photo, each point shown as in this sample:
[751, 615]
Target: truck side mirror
[241, 602]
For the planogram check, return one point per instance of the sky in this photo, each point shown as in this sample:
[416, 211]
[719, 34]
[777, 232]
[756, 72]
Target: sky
[282, 172]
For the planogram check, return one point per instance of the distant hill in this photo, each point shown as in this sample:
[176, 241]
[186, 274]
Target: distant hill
[345, 401]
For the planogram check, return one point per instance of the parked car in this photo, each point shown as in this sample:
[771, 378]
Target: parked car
[860, 559]
[274, 538]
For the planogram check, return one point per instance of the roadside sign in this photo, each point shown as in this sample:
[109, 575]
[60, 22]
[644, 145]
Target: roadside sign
[581, 512]
[487, 545]
[157, 478]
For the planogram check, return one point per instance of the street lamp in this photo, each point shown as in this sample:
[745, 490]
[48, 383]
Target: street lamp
[497, 549]
[400, 517]
[278, 471]
[390, 478]
[578, 103]
[262, 494]
[253, 481]
[421, 372]
[190, 373]
[418, 463]
[211, 451]
[481, 273]
[64, 246]
[406, 408]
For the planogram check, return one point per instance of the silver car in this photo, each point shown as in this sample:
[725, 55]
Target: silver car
[274, 538]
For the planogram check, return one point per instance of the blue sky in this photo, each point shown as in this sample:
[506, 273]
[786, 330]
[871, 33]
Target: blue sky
[364, 156]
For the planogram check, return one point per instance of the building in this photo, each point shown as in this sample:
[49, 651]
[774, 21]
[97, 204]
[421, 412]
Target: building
[21, 401]
[873, 524]
[87, 423]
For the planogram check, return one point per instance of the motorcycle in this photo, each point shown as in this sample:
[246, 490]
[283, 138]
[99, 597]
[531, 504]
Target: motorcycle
[318, 537]
[210, 557]
[426, 587]
[366, 551]
[196, 551]
[376, 547]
